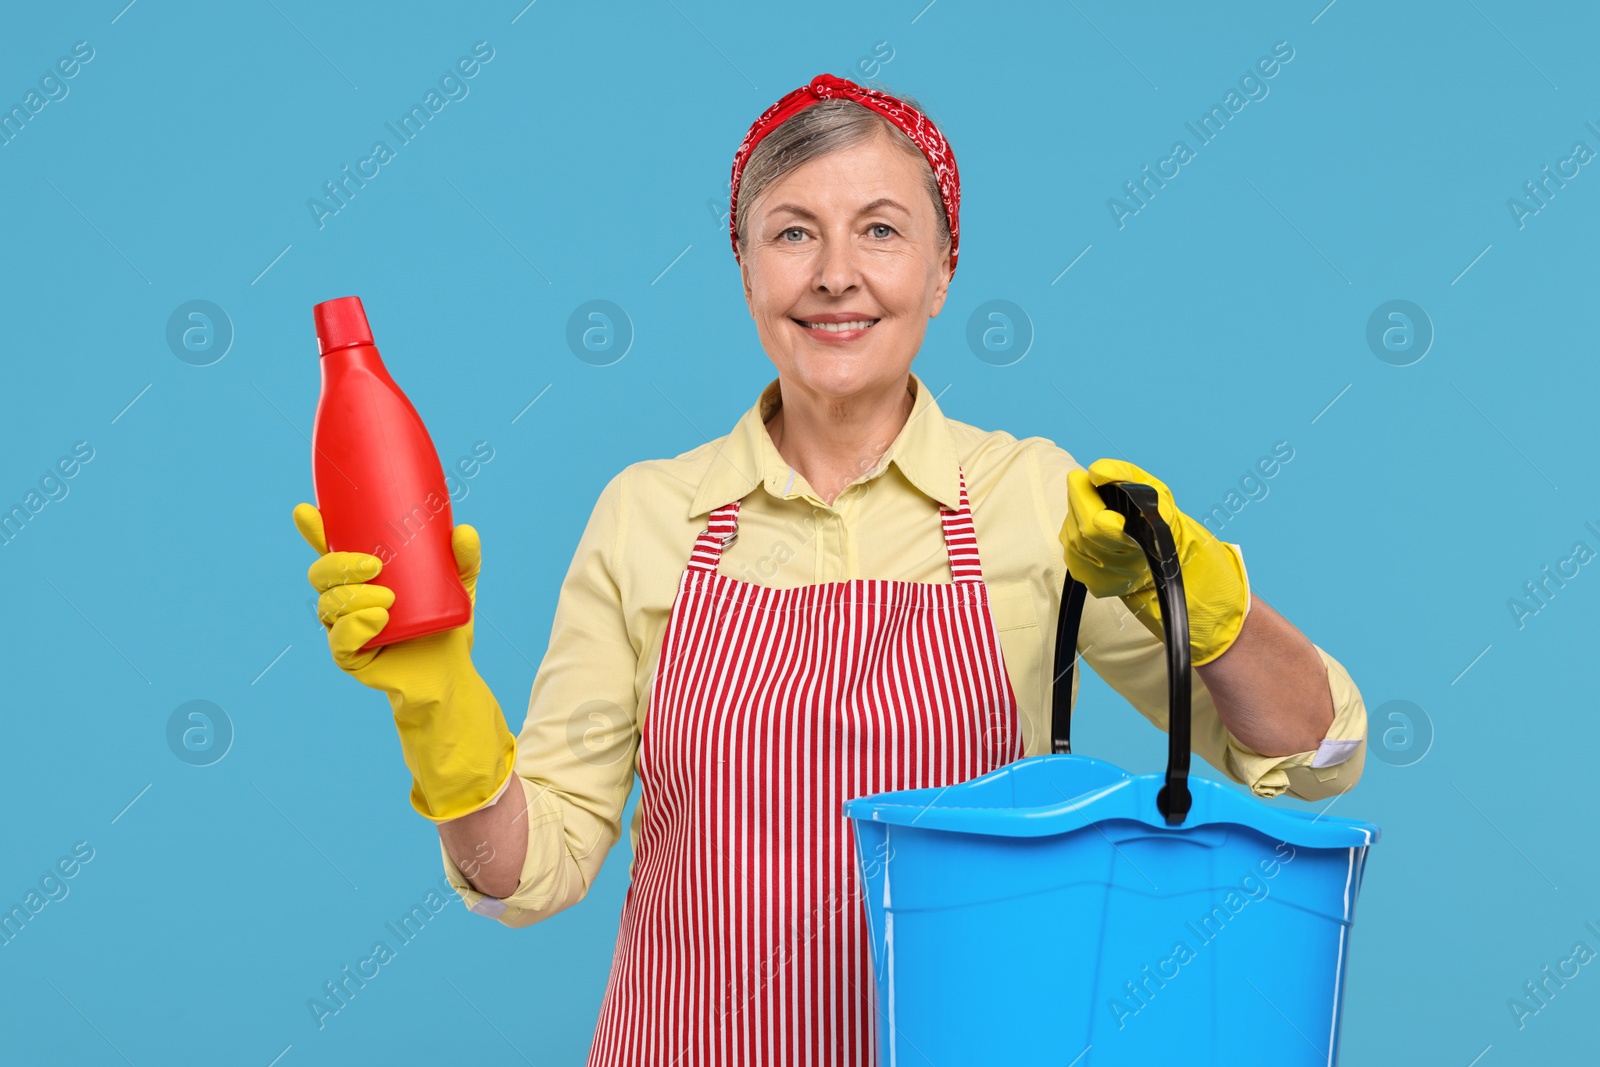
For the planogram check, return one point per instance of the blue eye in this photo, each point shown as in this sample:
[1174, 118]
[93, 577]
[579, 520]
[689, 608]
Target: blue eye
[882, 226]
[791, 229]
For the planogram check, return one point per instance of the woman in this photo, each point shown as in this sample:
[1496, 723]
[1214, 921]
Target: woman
[848, 593]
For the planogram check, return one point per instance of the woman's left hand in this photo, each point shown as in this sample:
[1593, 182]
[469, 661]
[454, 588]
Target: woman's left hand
[1110, 563]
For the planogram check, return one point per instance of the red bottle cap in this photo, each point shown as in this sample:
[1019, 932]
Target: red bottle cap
[341, 323]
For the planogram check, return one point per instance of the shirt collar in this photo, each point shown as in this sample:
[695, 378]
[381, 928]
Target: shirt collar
[924, 451]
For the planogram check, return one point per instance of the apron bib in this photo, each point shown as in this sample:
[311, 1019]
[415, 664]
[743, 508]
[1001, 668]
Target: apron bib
[743, 939]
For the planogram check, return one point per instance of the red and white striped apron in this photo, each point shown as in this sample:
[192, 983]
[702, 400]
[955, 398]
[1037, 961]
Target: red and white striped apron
[743, 940]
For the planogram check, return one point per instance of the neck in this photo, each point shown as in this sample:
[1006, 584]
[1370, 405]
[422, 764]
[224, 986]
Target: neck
[833, 442]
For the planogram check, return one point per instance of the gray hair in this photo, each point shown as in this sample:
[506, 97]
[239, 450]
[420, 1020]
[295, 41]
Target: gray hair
[824, 127]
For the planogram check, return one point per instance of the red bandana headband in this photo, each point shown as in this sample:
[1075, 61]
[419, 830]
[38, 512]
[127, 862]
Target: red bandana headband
[917, 126]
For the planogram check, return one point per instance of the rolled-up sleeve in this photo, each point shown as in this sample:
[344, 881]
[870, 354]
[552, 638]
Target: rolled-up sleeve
[1332, 767]
[576, 747]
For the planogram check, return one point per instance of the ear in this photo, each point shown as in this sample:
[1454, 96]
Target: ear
[744, 278]
[942, 288]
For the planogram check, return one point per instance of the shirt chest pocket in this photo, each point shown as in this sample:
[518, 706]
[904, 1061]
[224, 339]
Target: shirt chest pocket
[1013, 605]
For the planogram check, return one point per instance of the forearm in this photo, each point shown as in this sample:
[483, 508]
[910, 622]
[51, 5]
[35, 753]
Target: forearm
[490, 844]
[1270, 687]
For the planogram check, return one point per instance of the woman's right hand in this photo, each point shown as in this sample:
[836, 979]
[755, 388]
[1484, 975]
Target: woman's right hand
[354, 610]
[452, 733]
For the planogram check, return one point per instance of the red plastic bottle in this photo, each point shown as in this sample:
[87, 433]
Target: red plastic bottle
[379, 484]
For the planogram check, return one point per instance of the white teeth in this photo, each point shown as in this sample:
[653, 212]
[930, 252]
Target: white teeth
[836, 327]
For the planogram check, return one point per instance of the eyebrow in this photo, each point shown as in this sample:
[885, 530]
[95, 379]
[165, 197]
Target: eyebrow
[881, 202]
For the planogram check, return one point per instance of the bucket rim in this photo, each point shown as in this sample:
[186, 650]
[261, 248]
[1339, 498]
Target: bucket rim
[1126, 797]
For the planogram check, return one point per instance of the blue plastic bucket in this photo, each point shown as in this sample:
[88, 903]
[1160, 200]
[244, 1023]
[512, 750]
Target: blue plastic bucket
[1061, 911]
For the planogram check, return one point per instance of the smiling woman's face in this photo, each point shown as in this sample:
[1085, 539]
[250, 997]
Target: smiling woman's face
[849, 236]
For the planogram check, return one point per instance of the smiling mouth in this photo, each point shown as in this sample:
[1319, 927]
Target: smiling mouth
[838, 327]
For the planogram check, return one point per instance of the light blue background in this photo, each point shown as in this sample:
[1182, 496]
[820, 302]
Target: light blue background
[591, 156]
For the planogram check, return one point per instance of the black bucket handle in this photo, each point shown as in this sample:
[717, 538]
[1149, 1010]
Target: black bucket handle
[1136, 503]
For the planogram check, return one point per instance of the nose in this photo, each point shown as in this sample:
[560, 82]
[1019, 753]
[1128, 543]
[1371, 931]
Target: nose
[837, 267]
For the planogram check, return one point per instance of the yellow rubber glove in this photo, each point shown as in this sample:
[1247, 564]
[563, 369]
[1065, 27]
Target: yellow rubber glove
[1110, 563]
[452, 733]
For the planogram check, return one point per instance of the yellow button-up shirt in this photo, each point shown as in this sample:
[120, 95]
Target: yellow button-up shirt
[576, 749]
